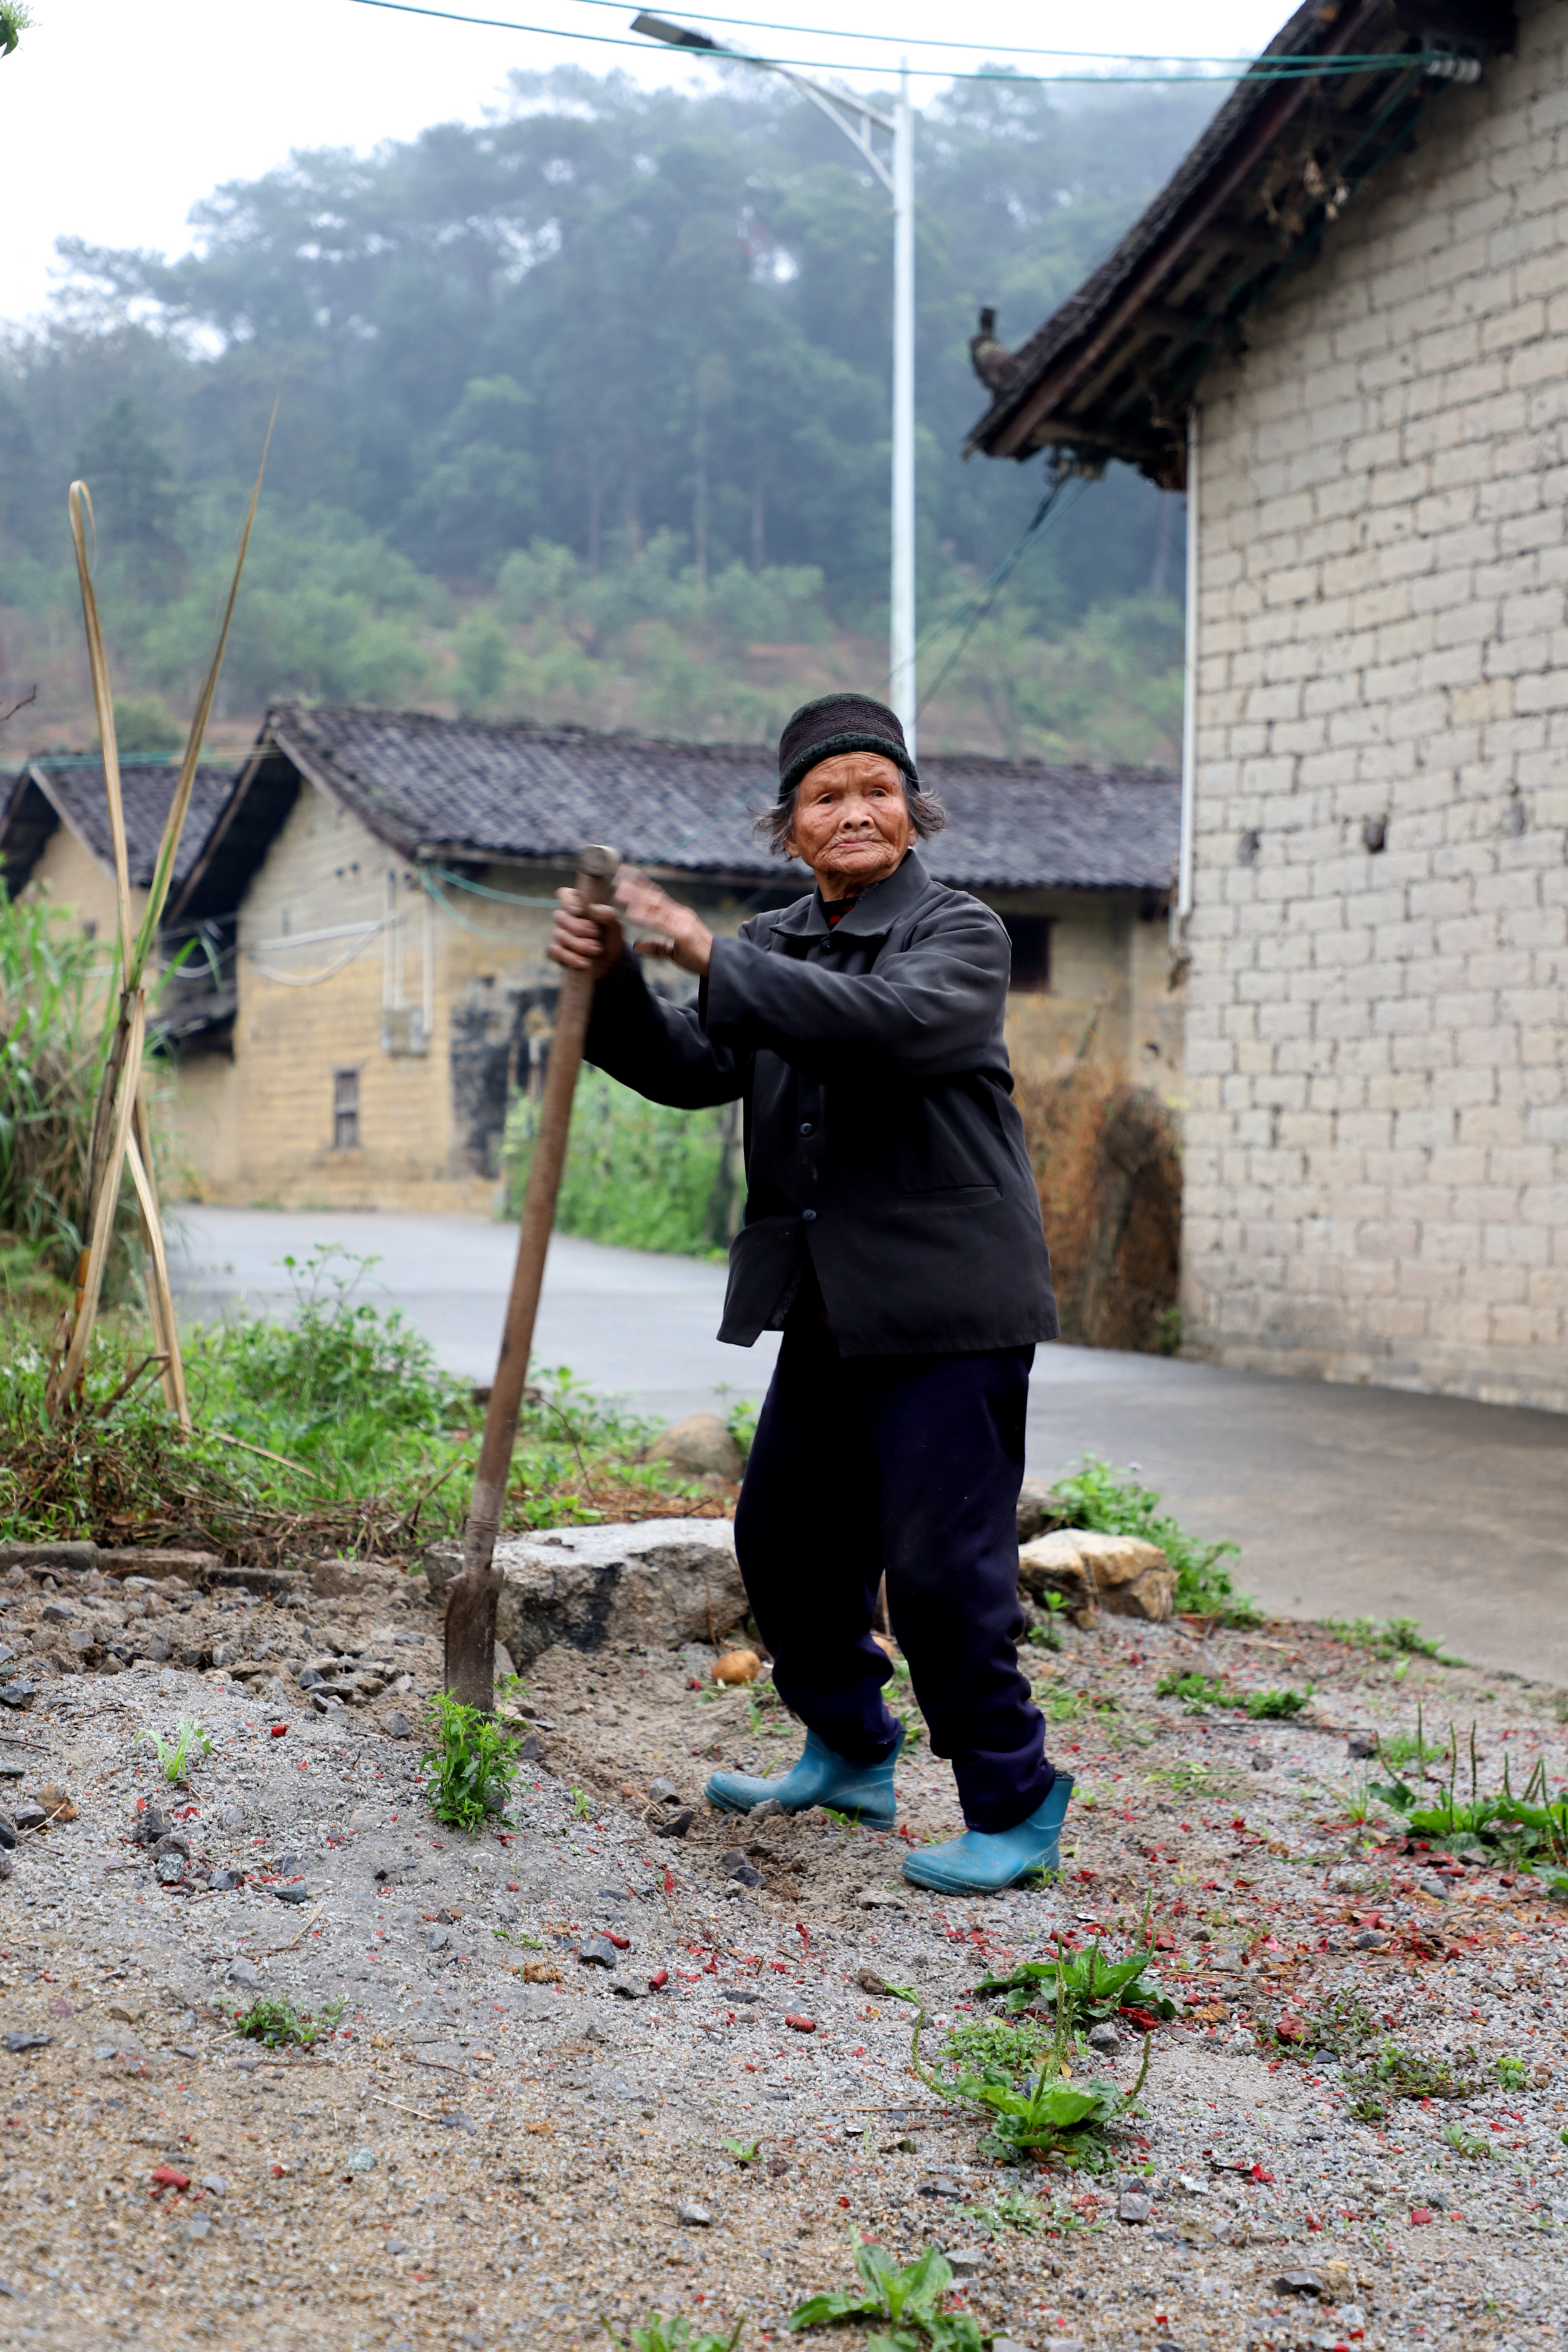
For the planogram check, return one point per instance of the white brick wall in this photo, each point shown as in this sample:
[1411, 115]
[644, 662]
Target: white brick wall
[1377, 1156]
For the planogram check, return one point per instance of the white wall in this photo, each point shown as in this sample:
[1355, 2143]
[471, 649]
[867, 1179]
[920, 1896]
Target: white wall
[1377, 1157]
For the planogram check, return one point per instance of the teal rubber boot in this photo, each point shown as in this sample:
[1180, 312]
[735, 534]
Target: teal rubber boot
[820, 1777]
[984, 1862]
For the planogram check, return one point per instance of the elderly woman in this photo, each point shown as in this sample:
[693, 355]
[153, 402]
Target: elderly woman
[892, 1234]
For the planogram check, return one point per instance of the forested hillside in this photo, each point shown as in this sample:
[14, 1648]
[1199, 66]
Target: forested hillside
[584, 415]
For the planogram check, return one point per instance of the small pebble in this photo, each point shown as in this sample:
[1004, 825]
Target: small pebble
[398, 1727]
[1131, 2207]
[362, 2159]
[698, 2216]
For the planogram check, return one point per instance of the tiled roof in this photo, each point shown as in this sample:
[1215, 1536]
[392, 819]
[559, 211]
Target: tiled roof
[76, 787]
[451, 787]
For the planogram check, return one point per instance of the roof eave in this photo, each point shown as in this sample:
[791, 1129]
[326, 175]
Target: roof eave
[1076, 397]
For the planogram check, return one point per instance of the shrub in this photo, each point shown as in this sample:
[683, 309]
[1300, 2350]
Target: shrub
[638, 1173]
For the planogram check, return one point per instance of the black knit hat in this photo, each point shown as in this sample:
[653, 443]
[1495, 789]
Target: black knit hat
[840, 722]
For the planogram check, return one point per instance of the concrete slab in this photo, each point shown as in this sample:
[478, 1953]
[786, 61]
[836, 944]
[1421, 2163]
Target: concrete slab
[1346, 1501]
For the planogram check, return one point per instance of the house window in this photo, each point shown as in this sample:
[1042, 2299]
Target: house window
[345, 1110]
[1031, 938]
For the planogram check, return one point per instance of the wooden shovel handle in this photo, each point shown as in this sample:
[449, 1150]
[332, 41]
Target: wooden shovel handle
[471, 1596]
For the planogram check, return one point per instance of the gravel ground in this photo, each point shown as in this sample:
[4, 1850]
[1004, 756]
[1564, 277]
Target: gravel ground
[502, 2143]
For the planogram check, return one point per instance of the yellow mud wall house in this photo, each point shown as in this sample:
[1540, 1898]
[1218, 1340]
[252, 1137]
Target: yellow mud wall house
[55, 845]
[376, 988]
[1341, 330]
[394, 989]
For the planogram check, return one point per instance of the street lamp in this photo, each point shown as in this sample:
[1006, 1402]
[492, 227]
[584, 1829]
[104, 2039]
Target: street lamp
[900, 182]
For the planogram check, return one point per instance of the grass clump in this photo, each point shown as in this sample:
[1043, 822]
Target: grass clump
[1108, 1503]
[468, 1767]
[332, 1432]
[281, 2026]
[638, 1173]
[1085, 1987]
[904, 2302]
[53, 985]
[1390, 1637]
[1526, 1832]
[662, 2333]
[177, 1756]
[1199, 1692]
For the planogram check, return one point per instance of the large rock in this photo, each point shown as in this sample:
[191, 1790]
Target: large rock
[701, 1446]
[1039, 1509]
[1122, 1573]
[661, 1581]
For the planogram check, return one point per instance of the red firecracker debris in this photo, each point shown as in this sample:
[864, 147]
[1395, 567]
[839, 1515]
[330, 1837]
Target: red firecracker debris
[621, 1943]
[278, 1729]
[1419, 2216]
[1291, 2028]
[801, 2024]
[169, 2175]
[657, 1983]
[1258, 2173]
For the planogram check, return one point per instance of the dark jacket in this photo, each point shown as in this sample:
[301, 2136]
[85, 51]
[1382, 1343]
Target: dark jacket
[881, 1138]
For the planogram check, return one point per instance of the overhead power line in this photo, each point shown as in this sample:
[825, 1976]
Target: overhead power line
[1264, 70]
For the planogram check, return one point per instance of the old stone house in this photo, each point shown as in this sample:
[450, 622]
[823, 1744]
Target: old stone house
[1343, 329]
[377, 975]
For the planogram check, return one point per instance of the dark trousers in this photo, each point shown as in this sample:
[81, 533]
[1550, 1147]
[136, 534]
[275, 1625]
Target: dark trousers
[911, 1466]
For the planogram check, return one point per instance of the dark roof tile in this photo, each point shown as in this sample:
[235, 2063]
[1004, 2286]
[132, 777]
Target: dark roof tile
[425, 786]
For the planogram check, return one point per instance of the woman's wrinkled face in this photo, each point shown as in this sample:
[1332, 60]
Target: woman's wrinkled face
[851, 822]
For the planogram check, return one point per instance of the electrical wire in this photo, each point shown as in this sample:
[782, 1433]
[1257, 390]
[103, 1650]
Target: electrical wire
[988, 48]
[1264, 70]
[985, 596]
[311, 979]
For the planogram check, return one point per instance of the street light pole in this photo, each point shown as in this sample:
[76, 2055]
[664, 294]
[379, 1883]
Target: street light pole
[857, 121]
[901, 620]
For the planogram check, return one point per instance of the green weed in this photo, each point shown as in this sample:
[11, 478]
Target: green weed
[638, 1174]
[745, 2151]
[1399, 1749]
[1199, 1692]
[280, 2025]
[908, 2299]
[1085, 1987]
[1513, 2073]
[1110, 1503]
[1391, 1637]
[1018, 2211]
[660, 2333]
[176, 1758]
[1470, 2144]
[1529, 1832]
[469, 1765]
[581, 1805]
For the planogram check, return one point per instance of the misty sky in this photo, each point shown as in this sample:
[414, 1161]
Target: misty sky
[115, 120]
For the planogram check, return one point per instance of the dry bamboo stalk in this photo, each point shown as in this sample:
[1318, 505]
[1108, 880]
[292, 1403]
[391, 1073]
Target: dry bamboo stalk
[158, 1286]
[120, 1096]
[78, 499]
[65, 1377]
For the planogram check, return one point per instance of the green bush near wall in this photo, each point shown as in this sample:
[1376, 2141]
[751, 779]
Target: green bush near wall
[638, 1173]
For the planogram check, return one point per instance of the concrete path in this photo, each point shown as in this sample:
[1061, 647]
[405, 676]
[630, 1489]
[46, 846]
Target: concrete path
[1346, 1501]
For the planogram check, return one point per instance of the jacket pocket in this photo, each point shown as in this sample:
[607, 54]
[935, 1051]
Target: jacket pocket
[952, 1196]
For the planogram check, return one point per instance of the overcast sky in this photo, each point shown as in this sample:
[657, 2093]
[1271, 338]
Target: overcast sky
[115, 120]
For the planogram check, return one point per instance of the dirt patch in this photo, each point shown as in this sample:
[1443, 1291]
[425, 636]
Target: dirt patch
[475, 2158]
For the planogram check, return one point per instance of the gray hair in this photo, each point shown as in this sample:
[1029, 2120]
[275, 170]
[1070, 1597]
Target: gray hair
[927, 815]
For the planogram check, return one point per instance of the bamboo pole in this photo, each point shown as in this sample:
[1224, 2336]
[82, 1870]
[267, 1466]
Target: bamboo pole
[473, 1593]
[120, 1134]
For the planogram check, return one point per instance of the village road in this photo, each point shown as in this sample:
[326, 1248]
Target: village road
[1346, 1501]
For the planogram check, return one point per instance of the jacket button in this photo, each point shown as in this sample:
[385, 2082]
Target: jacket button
[809, 1216]
[806, 1127]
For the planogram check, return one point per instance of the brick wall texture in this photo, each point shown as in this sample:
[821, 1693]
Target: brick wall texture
[1377, 1004]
